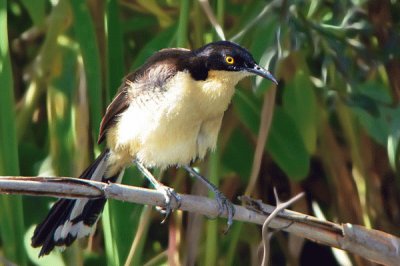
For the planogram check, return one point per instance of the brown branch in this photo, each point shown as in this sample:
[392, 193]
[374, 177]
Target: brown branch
[373, 245]
[267, 113]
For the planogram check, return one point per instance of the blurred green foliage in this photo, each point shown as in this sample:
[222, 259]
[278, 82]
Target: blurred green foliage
[334, 134]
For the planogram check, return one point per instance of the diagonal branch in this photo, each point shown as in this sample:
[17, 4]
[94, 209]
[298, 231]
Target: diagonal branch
[374, 245]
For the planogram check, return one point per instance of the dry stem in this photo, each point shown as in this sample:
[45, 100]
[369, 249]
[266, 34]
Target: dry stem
[374, 245]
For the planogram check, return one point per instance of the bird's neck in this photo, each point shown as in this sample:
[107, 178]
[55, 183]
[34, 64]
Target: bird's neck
[202, 99]
[215, 93]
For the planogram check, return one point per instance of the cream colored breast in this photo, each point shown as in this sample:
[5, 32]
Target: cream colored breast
[179, 125]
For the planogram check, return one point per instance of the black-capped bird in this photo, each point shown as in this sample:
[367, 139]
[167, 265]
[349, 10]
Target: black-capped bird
[166, 113]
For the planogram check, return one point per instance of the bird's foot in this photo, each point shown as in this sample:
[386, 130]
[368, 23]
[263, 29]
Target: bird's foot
[225, 204]
[169, 196]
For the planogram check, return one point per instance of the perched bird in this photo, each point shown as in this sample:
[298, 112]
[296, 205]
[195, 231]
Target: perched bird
[166, 113]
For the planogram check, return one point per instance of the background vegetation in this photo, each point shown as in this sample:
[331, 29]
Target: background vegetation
[335, 127]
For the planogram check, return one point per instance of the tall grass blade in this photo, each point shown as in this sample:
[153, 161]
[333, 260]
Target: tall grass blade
[11, 216]
[86, 37]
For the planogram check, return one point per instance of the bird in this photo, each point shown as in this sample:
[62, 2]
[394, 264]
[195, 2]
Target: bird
[166, 113]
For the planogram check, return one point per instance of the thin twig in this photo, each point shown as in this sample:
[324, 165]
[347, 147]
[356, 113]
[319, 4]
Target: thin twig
[157, 259]
[280, 206]
[253, 22]
[142, 228]
[207, 9]
[374, 245]
[265, 124]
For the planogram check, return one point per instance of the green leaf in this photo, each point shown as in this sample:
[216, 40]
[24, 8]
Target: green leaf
[284, 142]
[110, 240]
[363, 102]
[376, 126]
[86, 37]
[9, 164]
[263, 50]
[248, 107]
[120, 222]
[299, 102]
[238, 154]
[183, 23]
[369, 103]
[211, 239]
[59, 99]
[268, 29]
[393, 150]
[115, 55]
[157, 10]
[246, 15]
[160, 41]
[393, 142]
[376, 91]
[286, 146]
[11, 216]
[139, 22]
[384, 128]
[36, 10]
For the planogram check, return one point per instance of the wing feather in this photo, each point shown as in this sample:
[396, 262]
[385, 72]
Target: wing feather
[119, 104]
[153, 75]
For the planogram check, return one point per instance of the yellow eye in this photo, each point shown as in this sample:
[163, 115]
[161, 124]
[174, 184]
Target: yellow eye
[229, 60]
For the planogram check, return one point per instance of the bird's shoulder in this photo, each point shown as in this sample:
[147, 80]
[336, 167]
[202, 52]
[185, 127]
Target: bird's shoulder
[152, 75]
[158, 68]
[119, 104]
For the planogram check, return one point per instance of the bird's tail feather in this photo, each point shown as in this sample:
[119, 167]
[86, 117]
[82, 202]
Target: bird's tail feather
[69, 219]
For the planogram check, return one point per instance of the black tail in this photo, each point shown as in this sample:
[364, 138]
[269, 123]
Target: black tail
[70, 219]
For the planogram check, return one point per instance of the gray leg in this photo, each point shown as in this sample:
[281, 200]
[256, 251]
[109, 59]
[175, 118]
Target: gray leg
[223, 202]
[168, 192]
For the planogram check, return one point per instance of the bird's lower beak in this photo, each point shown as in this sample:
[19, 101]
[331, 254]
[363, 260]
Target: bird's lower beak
[262, 72]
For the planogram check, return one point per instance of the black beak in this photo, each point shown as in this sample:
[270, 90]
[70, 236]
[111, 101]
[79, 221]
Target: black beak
[256, 69]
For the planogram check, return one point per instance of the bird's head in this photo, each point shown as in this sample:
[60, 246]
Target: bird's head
[228, 56]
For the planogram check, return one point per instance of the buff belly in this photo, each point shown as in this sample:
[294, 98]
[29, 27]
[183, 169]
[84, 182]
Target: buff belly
[172, 127]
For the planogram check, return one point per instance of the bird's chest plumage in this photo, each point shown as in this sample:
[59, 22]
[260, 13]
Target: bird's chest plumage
[176, 124]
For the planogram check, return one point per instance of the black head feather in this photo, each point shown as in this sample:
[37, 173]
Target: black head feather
[213, 56]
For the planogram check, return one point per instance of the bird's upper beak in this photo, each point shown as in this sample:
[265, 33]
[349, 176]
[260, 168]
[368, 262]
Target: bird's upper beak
[256, 69]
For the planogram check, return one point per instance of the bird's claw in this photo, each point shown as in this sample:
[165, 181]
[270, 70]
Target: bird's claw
[225, 204]
[169, 194]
